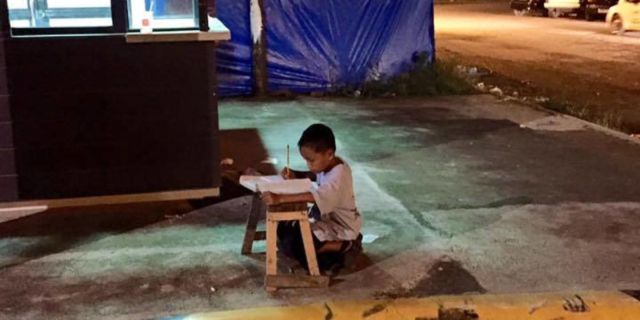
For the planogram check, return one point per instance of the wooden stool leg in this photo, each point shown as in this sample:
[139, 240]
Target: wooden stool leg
[309, 249]
[252, 224]
[272, 250]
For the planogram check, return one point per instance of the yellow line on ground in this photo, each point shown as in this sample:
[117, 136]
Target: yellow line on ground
[541, 306]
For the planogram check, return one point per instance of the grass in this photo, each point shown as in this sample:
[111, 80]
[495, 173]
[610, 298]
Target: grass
[424, 79]
[609, 118]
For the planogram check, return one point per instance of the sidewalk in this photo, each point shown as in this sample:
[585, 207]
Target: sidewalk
[460, 196]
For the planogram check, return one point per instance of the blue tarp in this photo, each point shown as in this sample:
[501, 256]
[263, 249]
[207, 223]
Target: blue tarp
[320, 45]
[234, 57]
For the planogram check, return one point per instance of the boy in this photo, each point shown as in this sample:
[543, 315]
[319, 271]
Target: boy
[335, 220]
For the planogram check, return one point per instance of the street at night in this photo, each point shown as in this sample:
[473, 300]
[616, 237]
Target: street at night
[337, 160]
[570, 60]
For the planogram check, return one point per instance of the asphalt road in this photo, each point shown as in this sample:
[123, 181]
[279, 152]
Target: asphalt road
[568, 59]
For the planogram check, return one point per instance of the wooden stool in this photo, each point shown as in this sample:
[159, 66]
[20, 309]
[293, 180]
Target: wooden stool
[275, 214]
[251, 234]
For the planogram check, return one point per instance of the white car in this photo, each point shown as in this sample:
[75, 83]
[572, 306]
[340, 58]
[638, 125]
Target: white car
[587, 9]
[625, 16]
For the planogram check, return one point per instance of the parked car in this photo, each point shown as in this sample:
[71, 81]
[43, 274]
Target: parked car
[528, 7]
[589, 9]
[625, 16]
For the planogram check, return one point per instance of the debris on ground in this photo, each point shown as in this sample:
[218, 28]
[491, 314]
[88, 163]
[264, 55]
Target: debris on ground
[174, 216]
[576, 304]
[471, 72]
[166, 288]
[457, 314]
[477, 77]
[496, 91]
[541, 99]
[226, 161]
[485, 81]
[466, 71]
[537, 306]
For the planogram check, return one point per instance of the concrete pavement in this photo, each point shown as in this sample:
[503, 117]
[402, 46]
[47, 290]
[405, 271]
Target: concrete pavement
[459, 195]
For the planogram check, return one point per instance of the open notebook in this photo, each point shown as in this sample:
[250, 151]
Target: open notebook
[276, 184]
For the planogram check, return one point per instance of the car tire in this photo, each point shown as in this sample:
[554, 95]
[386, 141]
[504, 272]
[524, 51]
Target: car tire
[588, 15]
[519, 12]
[616, 26]
[543, 12]
[554, 13]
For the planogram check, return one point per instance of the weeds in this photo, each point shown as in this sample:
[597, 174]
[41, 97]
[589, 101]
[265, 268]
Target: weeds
[610, 118]
[424, 79]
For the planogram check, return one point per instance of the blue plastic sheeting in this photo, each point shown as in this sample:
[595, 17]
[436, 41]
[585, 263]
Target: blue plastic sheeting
[321, 45]
[234, 58]
[160, 7]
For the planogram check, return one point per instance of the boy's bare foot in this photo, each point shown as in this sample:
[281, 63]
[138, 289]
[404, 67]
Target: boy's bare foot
[331, 246]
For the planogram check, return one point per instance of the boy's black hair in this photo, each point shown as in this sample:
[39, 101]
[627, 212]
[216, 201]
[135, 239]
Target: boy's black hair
[319, 137]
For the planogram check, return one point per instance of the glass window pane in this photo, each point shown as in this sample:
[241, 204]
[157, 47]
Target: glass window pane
[79, 4]
[167, 14]
[59, 13]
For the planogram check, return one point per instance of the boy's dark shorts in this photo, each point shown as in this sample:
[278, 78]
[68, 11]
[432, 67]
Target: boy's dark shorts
[290, 244]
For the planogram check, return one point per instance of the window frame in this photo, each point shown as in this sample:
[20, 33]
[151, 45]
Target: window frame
[196, 13]
[119, 25]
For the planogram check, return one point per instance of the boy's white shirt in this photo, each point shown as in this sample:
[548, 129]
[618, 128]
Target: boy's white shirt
[335, 197]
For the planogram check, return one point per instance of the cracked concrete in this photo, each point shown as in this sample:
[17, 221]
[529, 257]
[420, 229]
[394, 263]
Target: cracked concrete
[457, 198]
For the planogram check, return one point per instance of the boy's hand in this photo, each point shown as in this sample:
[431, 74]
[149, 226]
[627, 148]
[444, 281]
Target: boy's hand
[270, 198]
[287, 173]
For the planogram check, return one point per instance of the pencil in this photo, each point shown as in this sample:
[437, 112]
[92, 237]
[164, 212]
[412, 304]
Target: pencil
[287, 157]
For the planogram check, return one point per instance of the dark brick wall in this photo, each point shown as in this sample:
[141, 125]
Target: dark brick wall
[8, 178]
[97, 116]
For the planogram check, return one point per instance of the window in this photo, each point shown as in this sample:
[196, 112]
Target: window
[167, 14]
[59, 13]
[51, 17]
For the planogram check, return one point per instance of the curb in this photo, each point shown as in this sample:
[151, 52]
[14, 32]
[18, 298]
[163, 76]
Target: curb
[610, 305]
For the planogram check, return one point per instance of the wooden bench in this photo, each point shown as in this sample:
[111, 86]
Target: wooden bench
[275, 214]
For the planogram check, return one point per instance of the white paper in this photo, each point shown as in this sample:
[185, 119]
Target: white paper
[251, 182]
[369, 238]
[276, 184]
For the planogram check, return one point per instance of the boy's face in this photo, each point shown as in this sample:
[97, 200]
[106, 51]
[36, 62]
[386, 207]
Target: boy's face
[317, 161]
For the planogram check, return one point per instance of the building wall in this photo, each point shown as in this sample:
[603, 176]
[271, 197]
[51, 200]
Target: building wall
[97, 116]
[8, 177]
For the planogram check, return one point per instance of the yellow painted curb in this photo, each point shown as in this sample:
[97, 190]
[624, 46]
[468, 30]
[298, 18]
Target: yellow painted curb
[545, 306]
